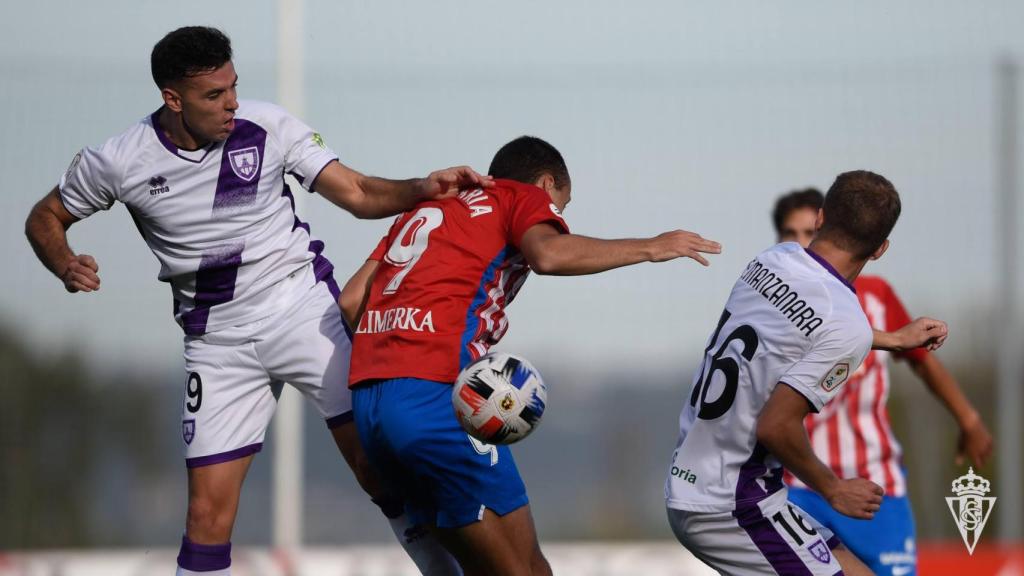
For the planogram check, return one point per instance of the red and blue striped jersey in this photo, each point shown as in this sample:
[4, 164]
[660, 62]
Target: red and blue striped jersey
[852, 434]
[448, 270]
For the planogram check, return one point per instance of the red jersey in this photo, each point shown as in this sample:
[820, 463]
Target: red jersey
[447, 271]
[852, 434]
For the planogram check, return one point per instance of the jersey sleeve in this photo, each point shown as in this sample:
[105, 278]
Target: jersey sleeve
[90, 183]
[827, 365]
[305, 153]
[378, 253]
[896, 317]
[531, 207]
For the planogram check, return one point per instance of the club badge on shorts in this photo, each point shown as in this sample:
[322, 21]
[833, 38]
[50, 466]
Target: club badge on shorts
[970, 507]
[820, 551]
[188, 430]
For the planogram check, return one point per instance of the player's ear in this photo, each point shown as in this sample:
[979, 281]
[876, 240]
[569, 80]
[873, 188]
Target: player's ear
[881, 250]
[172, 99]
[545, 182]
[819, 220]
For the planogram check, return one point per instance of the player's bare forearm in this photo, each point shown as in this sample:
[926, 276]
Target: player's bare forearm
[575, 255]
[780, 429]
[47, 233]
[370, 197]
[921, 333]
[975, 441]
[46, 229]
[356, 292]
[549, 252]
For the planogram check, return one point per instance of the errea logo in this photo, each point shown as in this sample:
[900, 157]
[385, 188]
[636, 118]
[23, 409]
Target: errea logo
[158, 185]
[835, 377]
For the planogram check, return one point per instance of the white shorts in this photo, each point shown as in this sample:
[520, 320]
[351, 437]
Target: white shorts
[235, 375]
[772, 537]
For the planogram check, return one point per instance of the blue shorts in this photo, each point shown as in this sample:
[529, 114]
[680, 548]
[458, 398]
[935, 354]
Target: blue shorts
[885, 543]
[410, 434]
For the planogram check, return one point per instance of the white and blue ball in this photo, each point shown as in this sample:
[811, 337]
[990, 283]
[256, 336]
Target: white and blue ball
[500, 398]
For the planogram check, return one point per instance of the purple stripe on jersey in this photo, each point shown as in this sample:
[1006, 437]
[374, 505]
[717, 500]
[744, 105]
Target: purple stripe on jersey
[749, 493]
[748, 489]
[241, 165]
[215, 284]
[204, 557]
[323, 270]
[824, 264]
[224, 456]
[340, 420]
[833, 542]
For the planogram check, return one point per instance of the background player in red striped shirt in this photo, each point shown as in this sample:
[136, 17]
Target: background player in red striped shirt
[852, 433]
[434, 293]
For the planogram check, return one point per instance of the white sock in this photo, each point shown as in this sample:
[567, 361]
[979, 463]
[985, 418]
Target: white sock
[422, 546]
[182, 572]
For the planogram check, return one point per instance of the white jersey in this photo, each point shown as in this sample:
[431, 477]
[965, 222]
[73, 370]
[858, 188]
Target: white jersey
[790, 318]
[220, 220]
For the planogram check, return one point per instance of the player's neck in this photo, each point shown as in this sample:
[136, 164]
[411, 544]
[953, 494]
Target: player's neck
[174, 127]
[842, 261]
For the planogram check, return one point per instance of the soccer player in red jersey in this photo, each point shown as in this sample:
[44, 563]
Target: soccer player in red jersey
[852, 434]
[430, 300]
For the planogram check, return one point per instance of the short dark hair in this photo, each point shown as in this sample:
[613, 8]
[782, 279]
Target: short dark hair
[527, 158]
[793, 201]
[188, 51]
[861, 209]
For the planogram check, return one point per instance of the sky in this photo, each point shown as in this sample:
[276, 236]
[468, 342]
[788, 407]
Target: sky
[669, 114]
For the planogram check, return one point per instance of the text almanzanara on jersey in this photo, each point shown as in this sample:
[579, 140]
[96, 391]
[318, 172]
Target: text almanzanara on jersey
[782, 297]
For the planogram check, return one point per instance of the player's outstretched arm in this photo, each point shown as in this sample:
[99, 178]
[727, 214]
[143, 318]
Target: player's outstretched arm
[780, 429]
[921, 333]
[356, 292]
[549, 252]
[974, 442]
[372, 197]
[46, 229]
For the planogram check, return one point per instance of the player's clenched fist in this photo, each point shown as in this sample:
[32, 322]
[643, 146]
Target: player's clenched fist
[81, 274]
[856, 498]
[680, 243]
[448, 182]
[923, 332]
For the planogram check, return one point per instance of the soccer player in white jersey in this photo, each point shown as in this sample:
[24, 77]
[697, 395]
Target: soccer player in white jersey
[203, 178]
[852, 435]
[790, 335]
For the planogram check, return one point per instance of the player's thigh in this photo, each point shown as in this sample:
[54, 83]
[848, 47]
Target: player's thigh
[309, 347]
[497, 545]
[852, 566]
[228, 401]
[462, 477]
[774, 538]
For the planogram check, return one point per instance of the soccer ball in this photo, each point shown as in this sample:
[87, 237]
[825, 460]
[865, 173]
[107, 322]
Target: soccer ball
[500, 398]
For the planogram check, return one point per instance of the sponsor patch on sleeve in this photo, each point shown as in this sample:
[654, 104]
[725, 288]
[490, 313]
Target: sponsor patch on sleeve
[836, 376]
[318, 140]
[71, 169]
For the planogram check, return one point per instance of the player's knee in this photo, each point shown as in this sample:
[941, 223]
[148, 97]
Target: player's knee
[208, 523]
